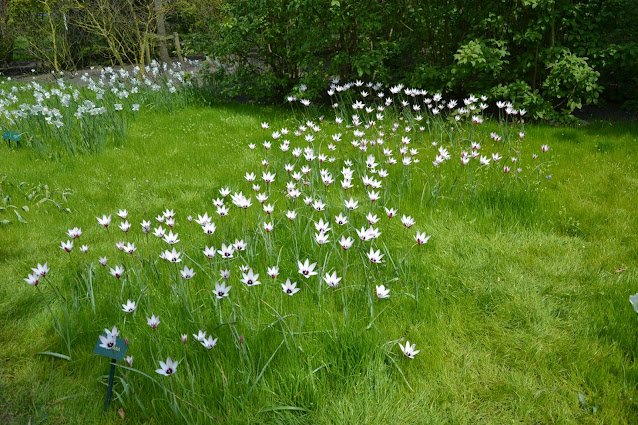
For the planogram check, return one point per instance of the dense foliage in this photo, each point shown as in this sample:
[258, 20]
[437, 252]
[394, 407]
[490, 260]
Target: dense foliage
[550, 57]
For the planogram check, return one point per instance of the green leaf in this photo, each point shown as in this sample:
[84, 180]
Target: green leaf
[581, 398]
[276, 408]
[20, 219]
[50, 353]
[264, 368]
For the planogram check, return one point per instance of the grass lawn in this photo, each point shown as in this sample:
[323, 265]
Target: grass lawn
[522, 313]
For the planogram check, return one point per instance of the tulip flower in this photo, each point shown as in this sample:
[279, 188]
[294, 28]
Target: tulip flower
[187, 273]
[159, 232]
[407, 221]
[209, 343]
[168, 368]
[409, 350]
[341, 219]
[226, 251]
[109, 341]
[290, 288]
[351, 204]
[307, 269]
[375, 257]
[129, 307]
[273, 272]
[222, 290]
[203, 220]
[125, 226]
[118, 271]
[104, 221]
[41, 270]
[171, 238]
[33, 279]
[201, 336]
[153, 321]
[74, 233]
[382, 292]
[250, 278]
[332, 280]
[421, 238]
[68, 246]
[209, 252]
[171, 256]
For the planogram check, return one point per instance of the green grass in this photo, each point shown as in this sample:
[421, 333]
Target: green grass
[521, 314]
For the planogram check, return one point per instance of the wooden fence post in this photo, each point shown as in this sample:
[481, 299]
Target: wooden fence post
[178, 48]
[148, 51]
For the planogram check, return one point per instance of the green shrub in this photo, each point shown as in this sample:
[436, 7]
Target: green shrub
[571, 83]
[549, 57]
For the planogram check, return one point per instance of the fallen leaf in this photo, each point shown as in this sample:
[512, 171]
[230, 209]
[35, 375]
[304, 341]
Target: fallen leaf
[121, 413]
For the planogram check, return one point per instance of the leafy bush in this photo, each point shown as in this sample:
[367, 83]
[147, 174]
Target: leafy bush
[571, 83]
[481, 59]
[554, 57]
[522, 95]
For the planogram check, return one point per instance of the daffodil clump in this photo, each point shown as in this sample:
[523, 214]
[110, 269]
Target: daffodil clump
[85, 117]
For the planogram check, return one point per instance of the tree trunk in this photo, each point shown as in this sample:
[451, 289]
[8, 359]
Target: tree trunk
[161, 32]
[6, 36]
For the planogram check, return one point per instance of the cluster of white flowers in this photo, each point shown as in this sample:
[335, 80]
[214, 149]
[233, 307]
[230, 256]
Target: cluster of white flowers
[63, 110]
[333, 188]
